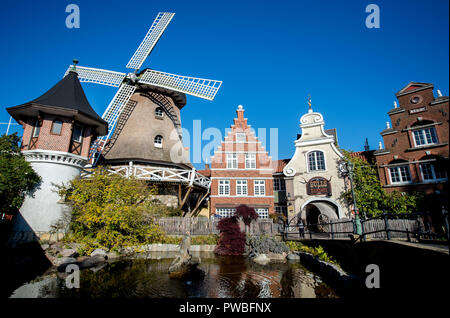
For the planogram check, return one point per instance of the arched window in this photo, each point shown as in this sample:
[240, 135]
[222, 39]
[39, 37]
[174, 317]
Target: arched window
[316, 161]
[159, 112]
[158, 141]
[57, 127]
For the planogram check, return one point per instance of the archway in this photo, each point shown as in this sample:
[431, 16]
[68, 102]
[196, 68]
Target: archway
[319, 211]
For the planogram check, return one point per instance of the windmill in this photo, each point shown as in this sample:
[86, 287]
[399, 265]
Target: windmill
[128, 83]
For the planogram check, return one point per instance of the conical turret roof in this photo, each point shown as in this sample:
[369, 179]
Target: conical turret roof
[65, 98]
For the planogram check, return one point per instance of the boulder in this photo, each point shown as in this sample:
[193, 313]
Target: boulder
[63, 262]
[293, 257]
[69, 252]
[100, 252]
[45, 246]
[276, 257]
[92, 261]
[261, 259]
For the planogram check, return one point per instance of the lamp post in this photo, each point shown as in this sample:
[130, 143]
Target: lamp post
[346, 168]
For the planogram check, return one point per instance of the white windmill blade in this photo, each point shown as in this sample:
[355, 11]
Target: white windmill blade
[200, 87]
[111, 115]
[151, 38]
[98, 76]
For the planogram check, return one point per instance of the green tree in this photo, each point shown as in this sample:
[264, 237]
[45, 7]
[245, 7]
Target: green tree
[17, 177]
[111, 211]
[371, 198]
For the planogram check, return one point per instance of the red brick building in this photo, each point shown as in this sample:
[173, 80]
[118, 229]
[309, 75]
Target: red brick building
[241, 172]
[416, 152]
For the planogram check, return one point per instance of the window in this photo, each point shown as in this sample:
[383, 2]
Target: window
[425, 136]
[262, 213]
[36, 129]
[77, 134]
[432, 172]
[400, 174]
[250, 161]
[158, 141]
[159, 112]
[56, 127]
[232, 161]
[281, 210]
[316, 161]
[224, 187]
[224, 212]
[240, 137]
[279, 185]
[241, 187]
[260, 187]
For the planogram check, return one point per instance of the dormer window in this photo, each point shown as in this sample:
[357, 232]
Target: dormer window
[36, 129]
[56, 127]
[316, 161]
[158, 141]
[159, 112]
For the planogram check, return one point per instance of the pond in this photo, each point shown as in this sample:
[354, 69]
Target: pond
[233, 277]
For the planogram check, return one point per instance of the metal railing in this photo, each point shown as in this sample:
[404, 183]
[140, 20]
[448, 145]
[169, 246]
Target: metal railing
[385, 227]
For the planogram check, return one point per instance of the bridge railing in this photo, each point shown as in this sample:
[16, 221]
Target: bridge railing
[384, 227]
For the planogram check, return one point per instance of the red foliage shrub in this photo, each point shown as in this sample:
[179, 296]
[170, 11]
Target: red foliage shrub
[231, 240]
[247, 213]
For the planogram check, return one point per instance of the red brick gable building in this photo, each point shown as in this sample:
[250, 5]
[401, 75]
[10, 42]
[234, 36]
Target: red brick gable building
[416, 152]
[241, 172]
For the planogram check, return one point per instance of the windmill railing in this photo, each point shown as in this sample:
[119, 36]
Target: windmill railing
[157, 174]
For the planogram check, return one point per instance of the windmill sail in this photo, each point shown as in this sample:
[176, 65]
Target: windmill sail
[97, 76]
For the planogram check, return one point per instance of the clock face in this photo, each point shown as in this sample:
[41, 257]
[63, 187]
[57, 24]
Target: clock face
[342, 167]
[415, 99]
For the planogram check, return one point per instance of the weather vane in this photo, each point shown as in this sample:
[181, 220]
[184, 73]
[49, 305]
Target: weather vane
[309, 101]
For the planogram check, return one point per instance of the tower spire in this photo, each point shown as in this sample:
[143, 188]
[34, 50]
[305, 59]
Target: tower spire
[309, 104]
[366, 145]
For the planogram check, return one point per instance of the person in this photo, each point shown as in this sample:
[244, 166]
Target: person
[301, 228]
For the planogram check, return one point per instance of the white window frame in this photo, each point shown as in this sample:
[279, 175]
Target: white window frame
[241, 188]
[232, 160]
[423, 134]
[250, 161]
[315, 161]
[399, 172]
[223, 188]
[240, 137]
[259, 188]
[263, 213]
[158, 144]
[157, 113]
[224, 212]
[433, 173]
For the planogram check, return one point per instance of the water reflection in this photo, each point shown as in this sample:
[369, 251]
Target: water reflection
[234, 277]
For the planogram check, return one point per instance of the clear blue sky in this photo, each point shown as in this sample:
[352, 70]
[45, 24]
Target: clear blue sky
[269, 54]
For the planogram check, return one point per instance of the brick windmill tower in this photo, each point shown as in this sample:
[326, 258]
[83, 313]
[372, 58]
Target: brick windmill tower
[59, 127]
[144, 138]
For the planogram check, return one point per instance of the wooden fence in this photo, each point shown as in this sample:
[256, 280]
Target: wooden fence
[205, 226]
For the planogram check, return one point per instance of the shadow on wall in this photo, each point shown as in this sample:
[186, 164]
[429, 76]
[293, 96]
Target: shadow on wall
[405, 271]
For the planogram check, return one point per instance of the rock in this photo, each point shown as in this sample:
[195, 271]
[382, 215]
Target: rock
[261, 259]
[45, 246]
[277, 257]
[184, 266]
[63, 262]
[92, 261]
[112, 255]
[70, 252]
[100, 252]
[293, 257]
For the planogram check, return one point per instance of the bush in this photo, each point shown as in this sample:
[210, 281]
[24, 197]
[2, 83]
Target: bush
[111, 211]
[316, 251]
[231, 240]
[247, 214]
[257, 245]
